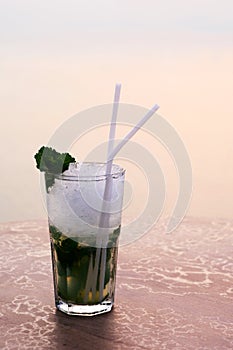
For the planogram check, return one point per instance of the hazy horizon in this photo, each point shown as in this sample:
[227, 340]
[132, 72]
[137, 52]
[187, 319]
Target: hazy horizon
[60, 58]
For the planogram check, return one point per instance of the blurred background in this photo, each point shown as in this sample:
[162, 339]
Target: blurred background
[61, 57]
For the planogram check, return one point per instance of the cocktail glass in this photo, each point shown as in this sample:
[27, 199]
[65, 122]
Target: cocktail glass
[84, 253]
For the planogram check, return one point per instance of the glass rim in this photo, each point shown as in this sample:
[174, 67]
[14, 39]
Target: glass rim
[96, 177]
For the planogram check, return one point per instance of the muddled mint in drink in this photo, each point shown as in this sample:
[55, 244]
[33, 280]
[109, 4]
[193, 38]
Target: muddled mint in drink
[71, 259]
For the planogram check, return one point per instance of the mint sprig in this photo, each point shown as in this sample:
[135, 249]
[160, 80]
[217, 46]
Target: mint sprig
[51, 162]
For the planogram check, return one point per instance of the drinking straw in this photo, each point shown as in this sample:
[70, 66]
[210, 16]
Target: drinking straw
[108, 187]
[104, 216]
[107, 194]
[89, 279]
[114, 118]
[113, 152]
[133, 132]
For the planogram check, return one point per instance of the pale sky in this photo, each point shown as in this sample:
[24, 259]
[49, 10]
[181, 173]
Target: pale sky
[37, 22]
[58, 58]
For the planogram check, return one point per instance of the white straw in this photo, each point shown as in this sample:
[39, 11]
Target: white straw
[108, 185]
[112, 153]
[114, 118]
[133, 132]
[89, 280]
[107, 195]
[104, 217]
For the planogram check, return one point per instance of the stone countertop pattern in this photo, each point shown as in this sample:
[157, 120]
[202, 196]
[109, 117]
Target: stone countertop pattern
[174, 291]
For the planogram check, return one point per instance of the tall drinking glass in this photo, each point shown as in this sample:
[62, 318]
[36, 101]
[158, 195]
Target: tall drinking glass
[84, 232]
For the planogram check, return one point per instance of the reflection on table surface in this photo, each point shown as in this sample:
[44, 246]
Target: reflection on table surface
[174, 291]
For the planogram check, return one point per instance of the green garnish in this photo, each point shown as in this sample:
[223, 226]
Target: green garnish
[52, 162]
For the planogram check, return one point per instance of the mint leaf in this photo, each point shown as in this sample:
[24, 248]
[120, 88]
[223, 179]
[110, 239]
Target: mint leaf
[52, 162]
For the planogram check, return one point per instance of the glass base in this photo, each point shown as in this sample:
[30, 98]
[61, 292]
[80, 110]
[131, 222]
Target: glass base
[84, 310]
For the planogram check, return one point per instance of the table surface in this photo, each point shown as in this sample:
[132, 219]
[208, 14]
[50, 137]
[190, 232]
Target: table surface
[174, 291]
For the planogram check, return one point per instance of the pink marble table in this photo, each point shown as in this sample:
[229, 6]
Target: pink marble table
[174, 292]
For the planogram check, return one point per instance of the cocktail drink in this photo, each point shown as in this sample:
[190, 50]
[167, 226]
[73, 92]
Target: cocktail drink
[83, 245]
[84, 202]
